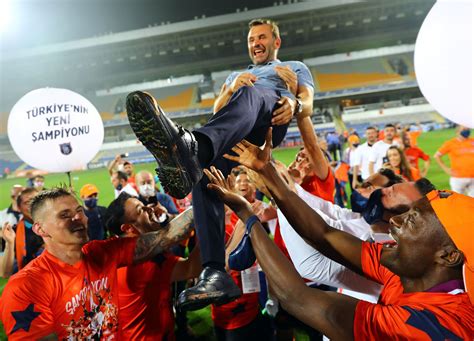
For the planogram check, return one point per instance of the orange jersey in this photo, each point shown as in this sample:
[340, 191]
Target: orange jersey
[413, 154]
[244, 309]
[323, 189]
[237, 313]
[145, 299]
[461, 155]
[411, 316]
[77, 301]
[414, 172]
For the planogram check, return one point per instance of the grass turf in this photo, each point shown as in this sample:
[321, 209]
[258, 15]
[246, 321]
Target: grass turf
[200, 320]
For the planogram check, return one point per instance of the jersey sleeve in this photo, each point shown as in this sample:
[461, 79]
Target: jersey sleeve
[370, 260]
[445, 148]
[24, 309]
[304, 75]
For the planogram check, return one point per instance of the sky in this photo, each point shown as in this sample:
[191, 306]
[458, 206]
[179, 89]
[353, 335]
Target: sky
[31, 23]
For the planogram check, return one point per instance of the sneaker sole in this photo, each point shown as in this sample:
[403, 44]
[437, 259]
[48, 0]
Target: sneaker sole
[151, 128]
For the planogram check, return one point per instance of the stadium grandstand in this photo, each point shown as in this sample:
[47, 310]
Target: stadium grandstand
[360, 54]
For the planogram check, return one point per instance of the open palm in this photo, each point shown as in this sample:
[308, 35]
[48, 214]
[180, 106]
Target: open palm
[252, 156]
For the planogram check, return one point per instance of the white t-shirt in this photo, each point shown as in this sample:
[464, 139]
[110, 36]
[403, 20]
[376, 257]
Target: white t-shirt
[360, 158]
[377, 153]
[313, 265]
[127, 189]
[6, 216]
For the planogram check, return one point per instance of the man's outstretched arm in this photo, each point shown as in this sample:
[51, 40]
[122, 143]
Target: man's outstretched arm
[310, 140]
[330, 313]
[337, 245]
[318, 161]
[152, 243]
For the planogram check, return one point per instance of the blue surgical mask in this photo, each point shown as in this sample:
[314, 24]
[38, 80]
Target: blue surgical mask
[90, 202]
[466, 133]
[374, 210]
[119, 187]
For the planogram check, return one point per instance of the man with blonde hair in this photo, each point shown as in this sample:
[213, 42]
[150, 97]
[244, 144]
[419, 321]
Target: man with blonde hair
[70, 290]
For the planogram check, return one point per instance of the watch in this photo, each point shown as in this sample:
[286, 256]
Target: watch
[299, 106]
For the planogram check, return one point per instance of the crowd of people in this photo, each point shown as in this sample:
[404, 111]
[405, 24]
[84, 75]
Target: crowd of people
[351, 243]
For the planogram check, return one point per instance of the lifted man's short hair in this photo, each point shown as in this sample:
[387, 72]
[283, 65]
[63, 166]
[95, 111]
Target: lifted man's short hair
[262, 21]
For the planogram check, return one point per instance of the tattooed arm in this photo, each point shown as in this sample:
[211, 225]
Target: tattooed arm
[152, 243]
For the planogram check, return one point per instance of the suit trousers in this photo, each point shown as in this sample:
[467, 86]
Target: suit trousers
[248, 116]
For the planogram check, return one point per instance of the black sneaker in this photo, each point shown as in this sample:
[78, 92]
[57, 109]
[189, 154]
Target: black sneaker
[174, 148]
[213, 287]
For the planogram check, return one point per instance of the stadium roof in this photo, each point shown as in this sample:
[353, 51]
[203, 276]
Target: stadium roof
[204, 45]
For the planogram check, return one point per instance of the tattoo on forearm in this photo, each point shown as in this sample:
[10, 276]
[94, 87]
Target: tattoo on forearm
[153, 243]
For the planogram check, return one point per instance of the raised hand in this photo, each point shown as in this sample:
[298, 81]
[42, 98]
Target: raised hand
[8, 233]
[244, 79]
[252, 156]
[231, 181]
[285, 111]
[226, 193]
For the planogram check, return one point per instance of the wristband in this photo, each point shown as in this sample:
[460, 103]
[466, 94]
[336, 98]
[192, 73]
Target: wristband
[250, 221]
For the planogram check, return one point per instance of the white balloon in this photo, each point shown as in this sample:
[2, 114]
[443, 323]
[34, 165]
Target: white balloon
[55, 130]
[443, 60]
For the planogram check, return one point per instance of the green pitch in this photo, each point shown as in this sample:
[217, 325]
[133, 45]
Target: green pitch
[429, 142]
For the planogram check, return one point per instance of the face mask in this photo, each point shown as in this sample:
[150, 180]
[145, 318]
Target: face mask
[373, 212]
[90, 202]
[146, 190]
[119, 187]
[465, 133]
[358, 202]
